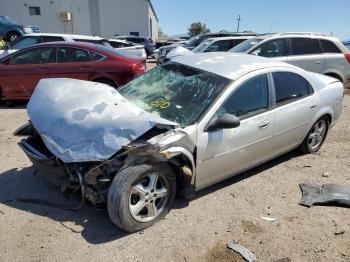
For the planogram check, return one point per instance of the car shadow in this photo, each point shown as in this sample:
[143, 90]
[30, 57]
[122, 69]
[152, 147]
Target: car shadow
[93, 225]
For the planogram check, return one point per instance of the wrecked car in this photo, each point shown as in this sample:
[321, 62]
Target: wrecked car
[178, 128]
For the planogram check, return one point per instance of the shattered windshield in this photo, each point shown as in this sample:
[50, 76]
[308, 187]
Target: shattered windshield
[176, 92]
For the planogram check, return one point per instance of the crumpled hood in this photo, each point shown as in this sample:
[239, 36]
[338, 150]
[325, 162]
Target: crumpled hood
[85, 121]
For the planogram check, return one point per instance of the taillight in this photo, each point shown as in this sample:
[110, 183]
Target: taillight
[347, 56]
[139, 68]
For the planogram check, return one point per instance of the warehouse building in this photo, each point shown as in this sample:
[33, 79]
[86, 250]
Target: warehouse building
[89, 17]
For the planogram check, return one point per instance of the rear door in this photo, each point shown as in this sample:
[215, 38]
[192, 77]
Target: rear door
[24, 70]
[295, 105]
[276, 49]
[307, 54]
[73, 63]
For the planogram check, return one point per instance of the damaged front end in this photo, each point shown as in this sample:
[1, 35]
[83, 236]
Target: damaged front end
[84, 144]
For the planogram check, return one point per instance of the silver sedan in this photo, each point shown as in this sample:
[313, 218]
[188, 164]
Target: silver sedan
[180, 127]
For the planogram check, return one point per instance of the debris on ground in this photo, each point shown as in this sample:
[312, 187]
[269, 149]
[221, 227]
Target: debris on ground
[2, 212]
[245, 253]
[286, 259]
[269, 219]
[72, 226]
[341, 232]
[336, 195]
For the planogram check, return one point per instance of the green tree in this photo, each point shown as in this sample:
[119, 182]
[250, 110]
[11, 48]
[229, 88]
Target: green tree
[197, 28]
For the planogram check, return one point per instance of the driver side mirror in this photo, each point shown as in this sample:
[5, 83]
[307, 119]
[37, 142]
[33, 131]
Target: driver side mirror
[226, 121]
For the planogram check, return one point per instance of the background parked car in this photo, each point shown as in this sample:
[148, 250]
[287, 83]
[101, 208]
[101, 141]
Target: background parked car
[347, 44]
[11, 30]
[148, 43]
[194, 42]
[128, 47]
[315, 52]
[32, 39]
[219, 44]
[21, 71]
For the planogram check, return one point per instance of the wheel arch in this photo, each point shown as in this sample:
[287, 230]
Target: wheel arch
[334, 74]
[12, 31]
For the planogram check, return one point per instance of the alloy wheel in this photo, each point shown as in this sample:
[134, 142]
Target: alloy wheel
[317, 134]
[148, 197]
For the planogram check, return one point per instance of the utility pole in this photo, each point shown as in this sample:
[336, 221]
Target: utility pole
[238, 22]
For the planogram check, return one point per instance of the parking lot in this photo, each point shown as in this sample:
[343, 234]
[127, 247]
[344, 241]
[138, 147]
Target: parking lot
[195, 230]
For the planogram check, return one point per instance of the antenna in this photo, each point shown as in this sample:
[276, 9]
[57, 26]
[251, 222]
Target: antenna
[238, 22]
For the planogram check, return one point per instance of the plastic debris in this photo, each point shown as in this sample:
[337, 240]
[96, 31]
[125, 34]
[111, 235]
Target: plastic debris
[245, 253]
[336, 195]
[269, 219]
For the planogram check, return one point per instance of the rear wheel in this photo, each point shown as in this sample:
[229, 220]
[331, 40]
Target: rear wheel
[316, 136]
[13, 36]
[106, 81]
[141, 195]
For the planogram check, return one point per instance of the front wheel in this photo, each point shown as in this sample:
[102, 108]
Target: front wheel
[316, 136]
[141, 195]
[13, 36]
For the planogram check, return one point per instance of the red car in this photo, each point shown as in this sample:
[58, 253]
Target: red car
[21, 71]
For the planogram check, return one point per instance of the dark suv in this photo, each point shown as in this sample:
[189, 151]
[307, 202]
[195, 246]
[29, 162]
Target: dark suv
[11, 30]
[195, 41]
[148, 43]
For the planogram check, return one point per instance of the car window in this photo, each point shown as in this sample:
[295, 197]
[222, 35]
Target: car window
[41, 55]
[95, 56]
[52, 38]
[273, 48]
[250, 99]
[305, 46]
[290, 87]
[246, 45]
[69, 55]
[329, 47]
[24, 42]
[219, 46]
[176, 92]
[115, 44]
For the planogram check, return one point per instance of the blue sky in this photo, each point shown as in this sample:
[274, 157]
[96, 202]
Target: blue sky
[326, 16]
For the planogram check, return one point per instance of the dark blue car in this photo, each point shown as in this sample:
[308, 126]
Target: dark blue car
[12, 30]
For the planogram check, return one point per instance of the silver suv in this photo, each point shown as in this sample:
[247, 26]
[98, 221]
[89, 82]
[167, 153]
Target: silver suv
[315, 52]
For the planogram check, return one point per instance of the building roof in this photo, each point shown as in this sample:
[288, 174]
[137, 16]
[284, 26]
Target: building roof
[89, 37]
[229, 65]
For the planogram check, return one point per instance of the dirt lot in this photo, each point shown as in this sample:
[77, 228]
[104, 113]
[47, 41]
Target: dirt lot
[196, 230]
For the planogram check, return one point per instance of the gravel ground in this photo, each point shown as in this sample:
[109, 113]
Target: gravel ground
[195, 230]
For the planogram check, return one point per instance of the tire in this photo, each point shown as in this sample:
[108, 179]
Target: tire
[13, 36]
[106, 81]
[308, 146]
[131, 190]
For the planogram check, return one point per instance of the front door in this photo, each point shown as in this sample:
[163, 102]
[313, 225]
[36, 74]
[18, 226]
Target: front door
[21, 74]
[224, 152]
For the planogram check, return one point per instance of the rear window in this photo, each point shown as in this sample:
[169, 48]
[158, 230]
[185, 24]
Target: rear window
[290, 87]
[329, 47]
[52, 39]
[305, 46]
[24, 42]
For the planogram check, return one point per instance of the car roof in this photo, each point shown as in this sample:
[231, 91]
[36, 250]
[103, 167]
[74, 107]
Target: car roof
[231, 37]
[229, 65]
[66, 43]
[89, 37]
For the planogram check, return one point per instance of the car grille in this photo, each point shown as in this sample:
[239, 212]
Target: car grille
[35, 30]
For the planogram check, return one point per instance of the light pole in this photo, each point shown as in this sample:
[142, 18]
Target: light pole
[238, 22]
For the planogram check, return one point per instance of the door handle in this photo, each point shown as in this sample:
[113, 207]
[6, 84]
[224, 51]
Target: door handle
[264, 124]
[313, 107]
[318, 62]
[84, 67]
[43, 68]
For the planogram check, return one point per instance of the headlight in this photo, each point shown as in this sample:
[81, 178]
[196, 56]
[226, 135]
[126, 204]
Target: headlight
[27, 30]
[163, 53]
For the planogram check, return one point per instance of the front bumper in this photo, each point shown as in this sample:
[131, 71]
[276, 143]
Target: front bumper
[47, 166]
